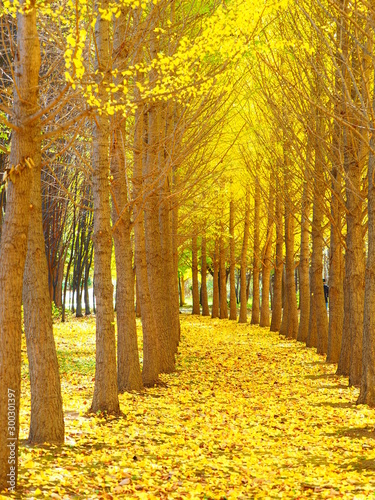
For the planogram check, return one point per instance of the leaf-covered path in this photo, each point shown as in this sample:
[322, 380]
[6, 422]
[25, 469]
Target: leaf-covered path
[247, 415]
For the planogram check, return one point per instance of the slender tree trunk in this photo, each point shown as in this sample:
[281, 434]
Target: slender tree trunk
[205, 308]
[175, 294]
[223, 277]
[344, 359]
[336, 274]
[215, 298]
[256, 258]
[277, 304]
[354, 267]
[232, 280]
[182, 290]
[354, 254]
[312, 337]
[47, 416]
[138, 305]
[105, 391]
[245, 245]
[86, 279]
[151, 348]
[284, 300]
[155, 267]
[304, 281]
[70, 258]
[195, 292]
[266, 265]
[317, 299]
[290, 289]
[57, 291]
[336, 261]
[367, 393]
[13, 247]
[129, 375]
[168, 225]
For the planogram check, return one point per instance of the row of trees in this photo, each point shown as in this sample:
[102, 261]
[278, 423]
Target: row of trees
[112, 116]
[242, 128]
[310, 142]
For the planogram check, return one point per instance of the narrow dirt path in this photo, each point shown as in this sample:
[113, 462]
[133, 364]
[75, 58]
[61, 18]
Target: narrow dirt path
[247, 415]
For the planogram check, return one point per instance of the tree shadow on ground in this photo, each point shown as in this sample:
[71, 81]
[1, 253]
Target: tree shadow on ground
[321, 376]
[355, 432]
[336, 386]
[316, 363]
[336, 405]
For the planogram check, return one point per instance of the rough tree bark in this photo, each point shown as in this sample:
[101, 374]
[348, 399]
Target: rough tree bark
[232, 260]
[290, 289]
[317, 299]
[47, 416]
[128, 367]
[105, 391]
[155, 265]
[277, 304]
[14, 239]
[129, 375]
[256, 257]
[215, 298]
[245, 246]
[151, 370]
[336, 264]
[223, 277]
[267, 263]
[195, 291]
[312, 337]
[205, 308]
[367, 393]
[182, 291]
[165, 226]
[336, 273]
[304, 280]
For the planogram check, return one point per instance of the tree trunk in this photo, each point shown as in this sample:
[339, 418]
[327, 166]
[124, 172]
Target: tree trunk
[277, 304]
[47, 416]
[304, 281]
[105, 391]
[284, 300]
[367, 393]
[175, 292]
[151, 348]
[266, 265]
[223, 277]
[70, 261]
[336, 274]
[86, 280]
[354, 264]
[312, 337]
[215, 298]
[245, 245]
[336, 260]
[317, 299]
[57, 291]
[354, 156]
[205, 308]
[182, 290]
[195, 291]
[137, 303]
[232, 279]
[290, 289]
[14, 240]
[256, 257]
[129, 375]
